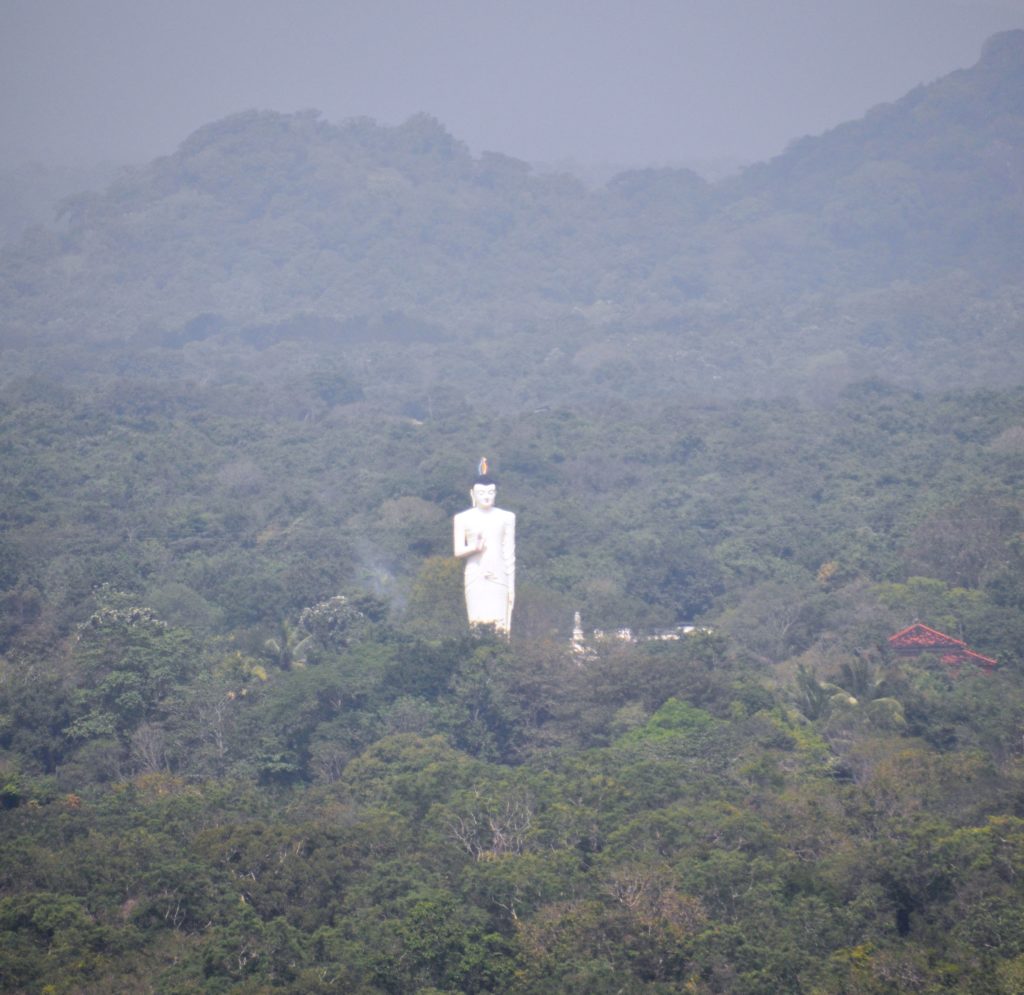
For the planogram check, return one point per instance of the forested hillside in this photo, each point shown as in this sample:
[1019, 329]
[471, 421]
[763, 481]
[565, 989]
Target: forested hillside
[246, 742]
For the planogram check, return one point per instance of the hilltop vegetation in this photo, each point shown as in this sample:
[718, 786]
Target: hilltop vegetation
[888, 247]
[246, 743]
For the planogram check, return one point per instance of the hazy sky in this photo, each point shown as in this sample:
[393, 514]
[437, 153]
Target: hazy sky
[644, 81]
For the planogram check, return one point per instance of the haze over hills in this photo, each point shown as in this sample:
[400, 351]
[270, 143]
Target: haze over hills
[247, 740]
[30, 194]
[932, 180]
[885, 242]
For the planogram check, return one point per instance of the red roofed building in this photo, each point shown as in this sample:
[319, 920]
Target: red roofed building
[968, 656]
[920, 638]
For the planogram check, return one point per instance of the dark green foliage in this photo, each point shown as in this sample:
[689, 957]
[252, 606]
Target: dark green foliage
[294, 789]
[248, 384]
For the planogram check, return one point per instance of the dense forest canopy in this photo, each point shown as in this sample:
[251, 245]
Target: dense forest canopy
[246, 741]
[887, 247]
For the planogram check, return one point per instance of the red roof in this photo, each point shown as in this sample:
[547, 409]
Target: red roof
[918, 637]
[955, 658]
[921, 638]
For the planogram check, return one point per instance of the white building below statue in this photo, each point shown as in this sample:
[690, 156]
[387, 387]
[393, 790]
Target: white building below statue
[582, 646]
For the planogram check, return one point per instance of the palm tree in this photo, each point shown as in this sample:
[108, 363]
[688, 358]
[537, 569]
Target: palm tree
[288, 650]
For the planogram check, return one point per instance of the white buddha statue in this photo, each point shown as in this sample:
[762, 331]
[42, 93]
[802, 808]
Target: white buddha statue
[485, 537]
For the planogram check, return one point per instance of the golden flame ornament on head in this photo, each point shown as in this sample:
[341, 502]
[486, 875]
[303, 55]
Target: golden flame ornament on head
[482, 466]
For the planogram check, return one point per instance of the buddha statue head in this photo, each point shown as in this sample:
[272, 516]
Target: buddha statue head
[484, 489]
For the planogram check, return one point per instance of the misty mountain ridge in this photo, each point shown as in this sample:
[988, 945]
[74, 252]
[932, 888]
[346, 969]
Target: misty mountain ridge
[940, 168]
[30, 192]
[861, 252]
[248, 741]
